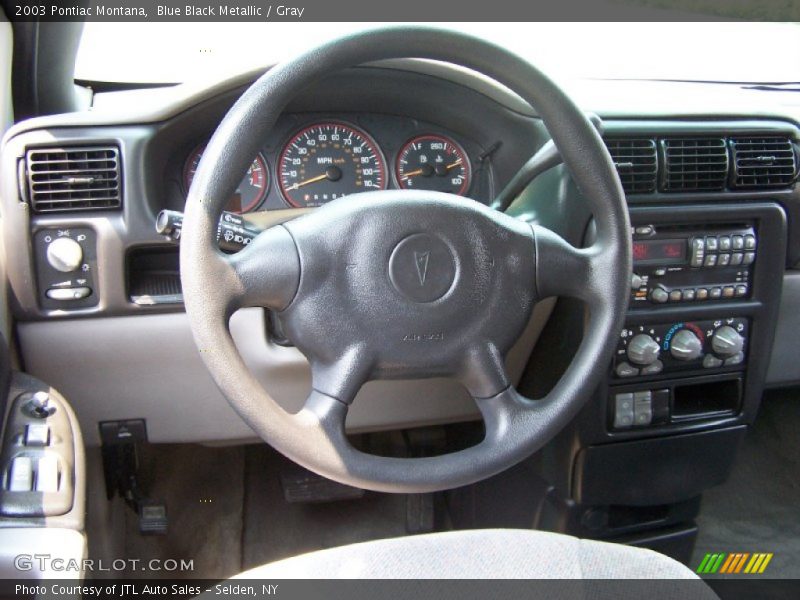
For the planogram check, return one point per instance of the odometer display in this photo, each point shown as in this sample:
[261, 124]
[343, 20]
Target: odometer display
[326, 161]
[433, 162]
[251, 191]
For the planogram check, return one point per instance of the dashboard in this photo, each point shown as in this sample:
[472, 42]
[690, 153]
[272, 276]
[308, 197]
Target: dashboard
[116, 302]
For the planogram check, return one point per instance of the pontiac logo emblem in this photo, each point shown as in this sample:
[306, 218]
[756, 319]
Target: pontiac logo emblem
[422, 258]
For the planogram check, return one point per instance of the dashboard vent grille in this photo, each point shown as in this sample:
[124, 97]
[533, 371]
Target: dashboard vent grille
[694, 164]
[636, 163]
[78, 178]
[763, 162]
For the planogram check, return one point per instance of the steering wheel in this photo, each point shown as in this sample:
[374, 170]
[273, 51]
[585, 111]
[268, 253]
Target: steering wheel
[404, 284]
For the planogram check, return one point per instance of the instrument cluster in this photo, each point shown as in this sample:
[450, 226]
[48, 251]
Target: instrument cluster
[321, 160]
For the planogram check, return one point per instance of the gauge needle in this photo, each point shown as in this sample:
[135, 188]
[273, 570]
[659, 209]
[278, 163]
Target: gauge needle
[413, 173]
[300, 184]
[452, 165]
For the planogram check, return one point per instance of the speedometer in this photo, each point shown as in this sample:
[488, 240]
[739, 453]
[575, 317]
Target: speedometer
[326, 161]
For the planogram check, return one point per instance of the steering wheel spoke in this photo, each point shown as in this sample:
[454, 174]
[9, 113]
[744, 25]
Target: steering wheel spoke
[563, 270]
[265, 273]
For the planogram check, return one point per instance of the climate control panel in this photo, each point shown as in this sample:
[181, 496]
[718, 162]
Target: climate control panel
[707, 345]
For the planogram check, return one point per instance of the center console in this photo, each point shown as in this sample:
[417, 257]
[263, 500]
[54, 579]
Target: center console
[685, 381]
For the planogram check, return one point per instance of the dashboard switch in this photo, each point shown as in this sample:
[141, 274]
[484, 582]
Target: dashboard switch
[64, 254]
[20, 476]
[642, 408]
[47, 474]
[37, 434]
[623, 411]
[70, 293]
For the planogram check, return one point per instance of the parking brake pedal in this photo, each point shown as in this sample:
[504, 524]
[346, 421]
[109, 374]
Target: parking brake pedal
[303, 486]
[121, 465]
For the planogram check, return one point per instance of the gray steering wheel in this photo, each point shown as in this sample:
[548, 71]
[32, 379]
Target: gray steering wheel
[404, 284]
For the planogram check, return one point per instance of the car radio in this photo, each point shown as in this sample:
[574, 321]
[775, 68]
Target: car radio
[675, 264]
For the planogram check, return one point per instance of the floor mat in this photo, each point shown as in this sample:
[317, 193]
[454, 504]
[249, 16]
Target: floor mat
[275, 529]
[757, 509]
[203, 488]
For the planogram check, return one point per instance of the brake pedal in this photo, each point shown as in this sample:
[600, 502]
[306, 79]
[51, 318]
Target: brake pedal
[303, 486]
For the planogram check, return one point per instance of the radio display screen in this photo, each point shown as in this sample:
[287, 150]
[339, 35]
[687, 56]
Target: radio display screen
[659, 252]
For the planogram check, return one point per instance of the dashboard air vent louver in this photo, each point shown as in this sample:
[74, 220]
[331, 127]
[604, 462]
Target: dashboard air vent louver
[636, 163]
[76, 178]
[762, 162]
[694, 164]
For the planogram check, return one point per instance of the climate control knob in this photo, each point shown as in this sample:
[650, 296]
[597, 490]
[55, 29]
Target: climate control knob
[64, 254]
[685, 345]
[643, 350]
[727, 341]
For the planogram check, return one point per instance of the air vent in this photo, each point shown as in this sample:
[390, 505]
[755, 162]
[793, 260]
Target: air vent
[79, 178]
[762, 162]
[636, 164]
[694, 164]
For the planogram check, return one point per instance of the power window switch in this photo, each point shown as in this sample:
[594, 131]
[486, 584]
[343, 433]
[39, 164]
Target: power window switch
[623, 411]
[643, 408]
[47, 474]
[37, 434]
[20, 476]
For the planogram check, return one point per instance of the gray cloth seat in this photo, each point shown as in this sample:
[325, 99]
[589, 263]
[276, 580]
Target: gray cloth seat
[478, 554]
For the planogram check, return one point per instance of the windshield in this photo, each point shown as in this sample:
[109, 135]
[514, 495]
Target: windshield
[718, 52]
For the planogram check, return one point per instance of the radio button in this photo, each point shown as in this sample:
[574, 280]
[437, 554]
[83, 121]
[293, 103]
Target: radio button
[736, 359]
[736, 259]
[625, 369]
[741, 290]
[750, 242]
[737, 242]
[728, 291]
[711, 261]
[654, 368]
[702, 294]
[645, 230]
[724, 243]
[636, 281]
[675, 296]
[660, 272]
[724, 260]
[698, 250]
[712, 243]
[715, 293]
[659, 295]
[711, 362]
[749, 258]
[688, 295]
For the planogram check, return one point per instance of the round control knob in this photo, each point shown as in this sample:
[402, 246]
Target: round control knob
[727, 341]
[643, 350]
[64, 254]
[685, 345]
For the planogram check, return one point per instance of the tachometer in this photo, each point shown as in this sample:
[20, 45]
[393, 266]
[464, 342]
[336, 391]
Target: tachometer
[251, 191]
[433, 162]
[326, 161]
